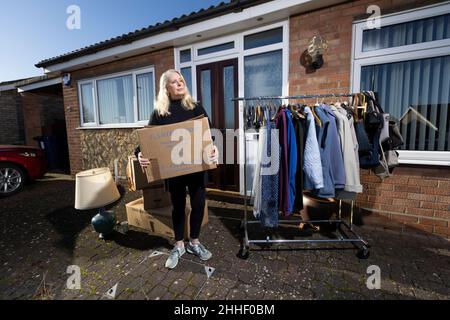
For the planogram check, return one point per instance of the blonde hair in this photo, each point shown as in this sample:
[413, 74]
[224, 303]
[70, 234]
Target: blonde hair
[163, 100]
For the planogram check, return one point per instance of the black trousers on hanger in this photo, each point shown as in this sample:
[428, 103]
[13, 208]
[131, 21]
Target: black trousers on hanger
[195, 183]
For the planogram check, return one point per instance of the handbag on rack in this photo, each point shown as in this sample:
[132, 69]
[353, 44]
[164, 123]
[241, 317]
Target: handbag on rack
[395, 139]
[385, 129]
[382, 169]
[392, 159]
[375, 118]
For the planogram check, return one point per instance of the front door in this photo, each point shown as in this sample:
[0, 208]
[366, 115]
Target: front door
[217, 84]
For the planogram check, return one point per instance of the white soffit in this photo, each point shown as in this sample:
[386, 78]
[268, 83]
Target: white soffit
[40, 84]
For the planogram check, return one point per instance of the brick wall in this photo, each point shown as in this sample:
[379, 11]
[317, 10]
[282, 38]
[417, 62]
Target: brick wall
[11, 118]
[417, 196]
[161, 60]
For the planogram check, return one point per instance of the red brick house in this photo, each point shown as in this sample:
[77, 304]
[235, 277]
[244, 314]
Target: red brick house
[251, 48]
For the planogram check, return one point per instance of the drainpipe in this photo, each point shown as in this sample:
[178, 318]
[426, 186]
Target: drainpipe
[117, 178]
[116, 171]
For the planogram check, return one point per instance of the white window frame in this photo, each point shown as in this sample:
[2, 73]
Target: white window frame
[239, 53]
[211, 43]
[93, 81]
[402, 53]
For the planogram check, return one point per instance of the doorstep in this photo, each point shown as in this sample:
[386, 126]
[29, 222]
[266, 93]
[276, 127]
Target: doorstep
[225, 196]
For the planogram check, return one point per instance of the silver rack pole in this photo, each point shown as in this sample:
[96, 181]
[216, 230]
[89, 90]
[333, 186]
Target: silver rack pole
[330, 95]
[246, 243]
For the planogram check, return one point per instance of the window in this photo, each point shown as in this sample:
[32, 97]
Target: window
[185, 55]
[115, 100]
[418, 94]
[145, 95]
[228, 94]
[206, 91]
[87, 102]
[187, 75]
[217, 48]
[264, 38]
[407, 63]
[263, 74]
[118, 100]
[418, 31]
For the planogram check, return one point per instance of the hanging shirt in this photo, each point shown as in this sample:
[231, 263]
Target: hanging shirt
[299, 128]
[312, 166]
[292, 161]
[330, 154]
[349, 154]
[256, 190]
[269, 176]
[283, 189]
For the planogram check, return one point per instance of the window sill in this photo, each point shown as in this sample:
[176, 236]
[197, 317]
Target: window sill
[122, 126]
[432, 158]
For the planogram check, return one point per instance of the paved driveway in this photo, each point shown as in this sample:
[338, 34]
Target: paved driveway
[42, 235]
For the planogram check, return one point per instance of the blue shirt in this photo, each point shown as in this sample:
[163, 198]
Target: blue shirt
[292, 156]
[330, 153]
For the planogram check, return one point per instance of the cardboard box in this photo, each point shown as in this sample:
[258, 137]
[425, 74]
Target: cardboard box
[158, 221]
[155, 197]
[137, 177]
[157, 146]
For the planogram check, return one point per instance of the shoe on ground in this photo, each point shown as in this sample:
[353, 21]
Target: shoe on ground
[174, 256]
[199, 250]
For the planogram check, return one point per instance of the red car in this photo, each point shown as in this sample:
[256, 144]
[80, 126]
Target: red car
[19, 164]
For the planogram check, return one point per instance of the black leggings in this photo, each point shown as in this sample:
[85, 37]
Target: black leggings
[177, 188]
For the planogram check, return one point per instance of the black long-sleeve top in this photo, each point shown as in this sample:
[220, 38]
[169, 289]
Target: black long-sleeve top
[177, 114]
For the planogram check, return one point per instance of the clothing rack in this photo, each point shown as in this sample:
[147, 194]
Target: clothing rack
[342, 236]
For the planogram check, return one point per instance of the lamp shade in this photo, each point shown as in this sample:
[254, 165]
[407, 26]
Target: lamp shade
[95, 188]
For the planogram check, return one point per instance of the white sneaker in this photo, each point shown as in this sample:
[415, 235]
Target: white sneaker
[174, 256]
[199, 250]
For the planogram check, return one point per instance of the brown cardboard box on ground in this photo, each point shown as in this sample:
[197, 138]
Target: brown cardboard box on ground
[137, 177]
[157, 146]
[155, 197]
[158, 221]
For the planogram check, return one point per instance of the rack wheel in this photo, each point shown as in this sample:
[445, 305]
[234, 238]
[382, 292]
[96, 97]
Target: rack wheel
[243, 253]
[363, 253]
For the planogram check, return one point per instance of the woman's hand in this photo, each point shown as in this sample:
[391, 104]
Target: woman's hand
[143, 161]
[213, 156]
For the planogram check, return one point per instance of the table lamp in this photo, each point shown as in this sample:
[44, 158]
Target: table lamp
[95, 188]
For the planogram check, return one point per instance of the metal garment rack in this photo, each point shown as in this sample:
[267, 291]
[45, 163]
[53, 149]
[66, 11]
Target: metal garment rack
[342, 236]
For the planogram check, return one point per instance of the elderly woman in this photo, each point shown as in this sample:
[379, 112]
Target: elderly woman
[175, 104]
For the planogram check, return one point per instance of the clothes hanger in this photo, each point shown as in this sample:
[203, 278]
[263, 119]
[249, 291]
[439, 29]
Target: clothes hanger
[316, 117]
[362, 105]
[295, 111]
[338, 103]
[255, 119]
[250, 116]
[355, 109]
